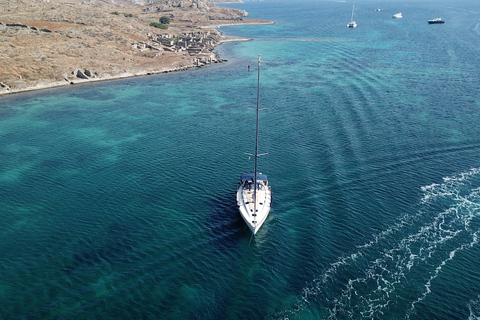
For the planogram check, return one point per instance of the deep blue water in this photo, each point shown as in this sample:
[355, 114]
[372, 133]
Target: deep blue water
[117, 199]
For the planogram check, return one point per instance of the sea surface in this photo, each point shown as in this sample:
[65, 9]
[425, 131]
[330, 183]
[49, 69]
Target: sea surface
[117, 199]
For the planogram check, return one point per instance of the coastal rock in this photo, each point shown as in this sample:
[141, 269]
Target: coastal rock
[80, 74]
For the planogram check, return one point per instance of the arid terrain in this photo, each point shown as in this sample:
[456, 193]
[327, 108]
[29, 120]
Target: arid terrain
[47, 43]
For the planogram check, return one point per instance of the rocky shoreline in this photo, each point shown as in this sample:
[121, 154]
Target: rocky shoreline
[60, 48]
[86, 76]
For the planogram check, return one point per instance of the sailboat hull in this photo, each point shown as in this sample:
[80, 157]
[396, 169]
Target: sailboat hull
[246, 204]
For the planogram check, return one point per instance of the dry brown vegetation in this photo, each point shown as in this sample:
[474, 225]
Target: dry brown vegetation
[44, 42]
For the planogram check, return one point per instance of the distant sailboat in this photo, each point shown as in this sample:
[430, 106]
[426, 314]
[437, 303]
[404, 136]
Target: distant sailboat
[397, 16]
[254, 195]
[352, 23]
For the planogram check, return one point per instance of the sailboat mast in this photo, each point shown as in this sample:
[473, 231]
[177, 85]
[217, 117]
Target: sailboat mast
[256, 146]
[353, 10]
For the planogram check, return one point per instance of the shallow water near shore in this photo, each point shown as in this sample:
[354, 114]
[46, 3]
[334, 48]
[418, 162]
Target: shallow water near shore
[117, 199]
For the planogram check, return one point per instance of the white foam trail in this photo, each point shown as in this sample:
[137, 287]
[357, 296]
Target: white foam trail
[435, 242]
[439, 268]
[474, 308]
[448, 187]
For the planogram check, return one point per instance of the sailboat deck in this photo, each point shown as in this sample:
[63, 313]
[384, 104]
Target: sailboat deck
[248, 197]
[247, 207]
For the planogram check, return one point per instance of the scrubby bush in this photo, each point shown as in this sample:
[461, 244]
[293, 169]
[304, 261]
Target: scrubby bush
[165, 20]
[128, 15]
[158, 25]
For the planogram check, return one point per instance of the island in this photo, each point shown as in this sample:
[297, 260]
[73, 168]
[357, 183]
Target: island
[48, 43]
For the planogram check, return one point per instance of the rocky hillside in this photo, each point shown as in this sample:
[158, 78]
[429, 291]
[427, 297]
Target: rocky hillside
[54, 42]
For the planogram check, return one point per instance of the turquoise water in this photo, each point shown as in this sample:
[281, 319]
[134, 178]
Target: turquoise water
[117, 199]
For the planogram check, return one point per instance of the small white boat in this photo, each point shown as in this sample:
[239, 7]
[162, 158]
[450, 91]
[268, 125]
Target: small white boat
[397, 16]
[377, 9]
[352, 23]
[254, 195]
[436, 21]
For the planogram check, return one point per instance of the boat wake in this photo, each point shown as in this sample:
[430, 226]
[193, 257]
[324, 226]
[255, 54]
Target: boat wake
[397, 270]
[474, 308]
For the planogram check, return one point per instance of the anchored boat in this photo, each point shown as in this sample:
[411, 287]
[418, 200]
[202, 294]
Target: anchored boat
[352, 23]
[435, 21]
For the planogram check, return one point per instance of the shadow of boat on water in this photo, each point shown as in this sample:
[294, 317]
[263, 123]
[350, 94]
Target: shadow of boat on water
[226, 226]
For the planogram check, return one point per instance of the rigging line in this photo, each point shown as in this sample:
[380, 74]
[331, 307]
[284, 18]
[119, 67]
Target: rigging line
[256, 152]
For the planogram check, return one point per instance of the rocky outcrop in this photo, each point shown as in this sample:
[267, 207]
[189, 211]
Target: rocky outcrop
[80, 74]
[85, 74]
[21, 25]
[3, 85]
[198, 5]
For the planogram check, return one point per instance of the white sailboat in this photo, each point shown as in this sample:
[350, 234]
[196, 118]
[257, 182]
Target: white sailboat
[352, 23]
[254, 195]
